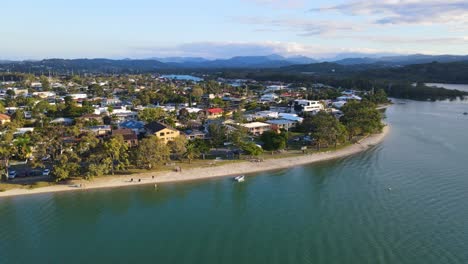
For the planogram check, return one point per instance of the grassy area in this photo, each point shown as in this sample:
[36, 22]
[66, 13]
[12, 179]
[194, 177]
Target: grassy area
[184, 165]
[9, 186]
[40, 184]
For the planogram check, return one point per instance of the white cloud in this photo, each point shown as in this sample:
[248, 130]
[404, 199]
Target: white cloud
[303, 27]
[406, 11]
[214, 50]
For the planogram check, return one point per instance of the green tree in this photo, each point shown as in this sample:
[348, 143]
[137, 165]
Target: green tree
[152, 114]
[152, 152]
[45, 83]
[251, 149]
[325, 129]
[23, 146]
[238, 136]
[273, 141]
[178, 146]
[218, 133]
[192, 151]
[361, 118]
[115, 150]
[97, 170]
[6, 149]
[197, 92]
[66, 166]
[202, 146]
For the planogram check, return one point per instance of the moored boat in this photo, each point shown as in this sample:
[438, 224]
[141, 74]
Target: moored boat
[239, 178]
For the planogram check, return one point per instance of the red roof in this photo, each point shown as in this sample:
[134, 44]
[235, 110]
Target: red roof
[4, 117]
[215, 110]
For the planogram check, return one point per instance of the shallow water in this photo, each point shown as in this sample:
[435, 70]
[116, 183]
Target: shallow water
[333, 212]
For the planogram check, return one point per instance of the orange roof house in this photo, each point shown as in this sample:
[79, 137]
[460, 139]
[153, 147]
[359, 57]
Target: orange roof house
[4, 119]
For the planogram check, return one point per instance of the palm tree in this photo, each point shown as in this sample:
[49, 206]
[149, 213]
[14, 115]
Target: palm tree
[23, 146]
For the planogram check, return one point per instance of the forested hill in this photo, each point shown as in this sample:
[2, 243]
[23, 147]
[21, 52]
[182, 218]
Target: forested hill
[63, 66]
[453, 72]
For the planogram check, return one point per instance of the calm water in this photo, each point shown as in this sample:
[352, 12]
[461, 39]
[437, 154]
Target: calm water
[460, 87]
[183, 77]
[333, 212]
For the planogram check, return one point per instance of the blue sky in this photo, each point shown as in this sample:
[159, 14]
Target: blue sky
[34, 29]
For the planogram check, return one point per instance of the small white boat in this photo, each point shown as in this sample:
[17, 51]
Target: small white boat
[239, 178]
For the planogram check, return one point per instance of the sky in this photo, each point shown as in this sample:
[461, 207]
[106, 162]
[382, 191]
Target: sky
[34, 29]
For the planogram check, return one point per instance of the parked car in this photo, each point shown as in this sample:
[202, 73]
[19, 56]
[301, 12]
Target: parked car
[11, 174]
[46, 172]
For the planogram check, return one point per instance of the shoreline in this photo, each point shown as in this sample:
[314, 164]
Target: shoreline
[200, 173]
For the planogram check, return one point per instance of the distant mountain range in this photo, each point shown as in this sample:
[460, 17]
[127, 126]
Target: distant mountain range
[271, 61]
[296, 63]
[402, 59]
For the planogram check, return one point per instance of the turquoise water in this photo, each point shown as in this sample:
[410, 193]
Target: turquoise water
[333, 212]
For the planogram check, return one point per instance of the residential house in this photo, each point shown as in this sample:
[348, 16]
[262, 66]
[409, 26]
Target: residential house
[137, 126]
[161, 131]
[278, 124]
[274, 88]
[4, 119]
[100, 131]
[44, 94]
[304, 106]
[78, 96]
[128, 135]
[213, 113]
[257, 128]
[110, 101]
[194, 134]
[90, 117]
[270, 97]
[62, 121]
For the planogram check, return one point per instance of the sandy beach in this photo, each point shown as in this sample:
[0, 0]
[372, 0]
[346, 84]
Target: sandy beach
[237, 168]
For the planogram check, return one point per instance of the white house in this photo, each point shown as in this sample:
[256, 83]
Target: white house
[257, 128]
[291, 117]
[274, 88]
[266, 114]
[304, 106]
[45, 94]
[270, 97]
[339, 104]
[77, 96]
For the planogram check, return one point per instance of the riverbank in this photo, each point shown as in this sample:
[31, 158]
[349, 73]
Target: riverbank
[237, 168]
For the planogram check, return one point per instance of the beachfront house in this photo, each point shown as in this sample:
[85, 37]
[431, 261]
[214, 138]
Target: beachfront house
[137, 126]
[128, 135]
[257, 128]
[279, 124]
[162, 131]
